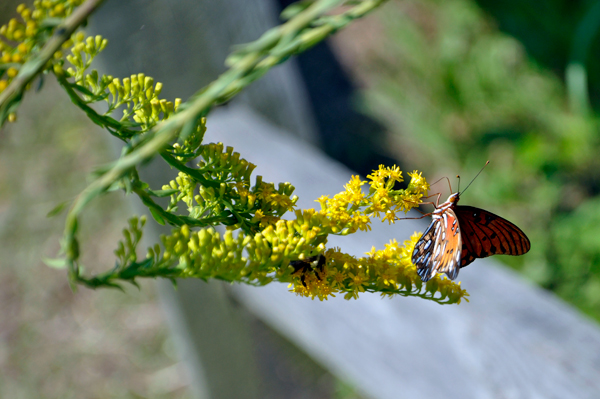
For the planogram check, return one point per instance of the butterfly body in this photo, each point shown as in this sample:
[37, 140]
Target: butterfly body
[458, 235]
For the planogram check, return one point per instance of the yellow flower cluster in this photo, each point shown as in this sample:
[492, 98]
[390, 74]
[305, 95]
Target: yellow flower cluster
[83, 51]
[286, 250]
[138, 93]
[388, 271]
[352, 209]
[21, 37]
[254, 259]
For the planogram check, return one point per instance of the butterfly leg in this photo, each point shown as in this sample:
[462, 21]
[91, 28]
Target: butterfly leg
[438, 195]
[426, 203]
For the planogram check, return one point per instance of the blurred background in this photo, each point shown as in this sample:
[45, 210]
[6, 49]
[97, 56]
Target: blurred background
[437, 86]
[456, 83]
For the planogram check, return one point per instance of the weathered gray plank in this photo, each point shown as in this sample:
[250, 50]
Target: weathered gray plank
[511, 341]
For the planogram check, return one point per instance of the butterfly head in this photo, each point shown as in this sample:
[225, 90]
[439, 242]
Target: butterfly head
[453, 198]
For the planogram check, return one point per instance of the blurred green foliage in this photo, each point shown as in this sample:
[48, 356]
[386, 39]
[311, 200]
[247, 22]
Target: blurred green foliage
[549, 31]
[455, 91]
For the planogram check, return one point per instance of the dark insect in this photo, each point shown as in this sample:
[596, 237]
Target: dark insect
[314, 264]
[458, 235]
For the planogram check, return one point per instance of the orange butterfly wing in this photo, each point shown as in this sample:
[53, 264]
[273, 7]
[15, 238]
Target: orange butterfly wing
[439, 248]
[485, 234]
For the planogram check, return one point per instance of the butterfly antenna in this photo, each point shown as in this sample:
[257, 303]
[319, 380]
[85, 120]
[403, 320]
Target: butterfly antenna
[486, 164]
[458, 177]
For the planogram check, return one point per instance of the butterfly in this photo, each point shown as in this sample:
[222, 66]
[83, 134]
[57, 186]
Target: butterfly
[459, 234]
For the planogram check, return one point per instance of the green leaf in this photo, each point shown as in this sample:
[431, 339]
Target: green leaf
[162, 193]
[57, 209]
[264, 43]
[157, 216]
[294, 9]
[56, 263]
[82, 89]
[188, 129]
